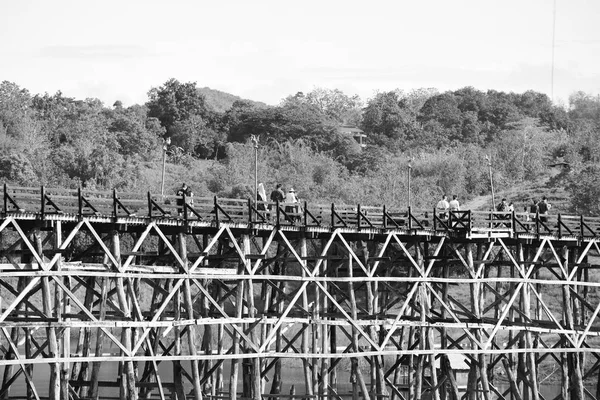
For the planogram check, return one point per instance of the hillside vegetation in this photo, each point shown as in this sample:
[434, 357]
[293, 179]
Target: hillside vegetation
[447, 138]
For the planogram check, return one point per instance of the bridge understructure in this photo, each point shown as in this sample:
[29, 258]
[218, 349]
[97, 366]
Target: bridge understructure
[152, 308]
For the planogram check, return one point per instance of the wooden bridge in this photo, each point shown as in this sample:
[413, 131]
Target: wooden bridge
[138, 296]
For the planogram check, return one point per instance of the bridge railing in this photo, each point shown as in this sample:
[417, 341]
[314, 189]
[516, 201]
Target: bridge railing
[45, 202]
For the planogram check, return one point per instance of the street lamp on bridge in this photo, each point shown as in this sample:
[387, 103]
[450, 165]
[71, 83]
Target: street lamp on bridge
[166, 143]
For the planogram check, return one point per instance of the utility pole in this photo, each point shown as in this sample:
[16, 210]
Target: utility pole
[409, 173]
[254, 140]
[491, 181]
[166, 143]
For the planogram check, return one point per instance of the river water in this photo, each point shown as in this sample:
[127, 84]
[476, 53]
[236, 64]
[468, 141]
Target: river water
[108, 373]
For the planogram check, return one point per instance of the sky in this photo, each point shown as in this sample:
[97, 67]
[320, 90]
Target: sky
[266, 50]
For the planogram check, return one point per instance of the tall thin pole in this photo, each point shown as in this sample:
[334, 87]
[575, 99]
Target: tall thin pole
[409, 193]
[166, 143]
[553, 38]
[491, 180]
[254, 140]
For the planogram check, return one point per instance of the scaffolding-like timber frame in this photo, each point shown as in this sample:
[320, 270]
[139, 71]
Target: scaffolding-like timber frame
[268, 310]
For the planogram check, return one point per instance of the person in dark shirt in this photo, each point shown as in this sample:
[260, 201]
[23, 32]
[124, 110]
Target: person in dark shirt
[543, 207]
[184, 190]
[277, 194]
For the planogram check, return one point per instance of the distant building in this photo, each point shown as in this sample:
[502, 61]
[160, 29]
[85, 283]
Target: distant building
[357, 133]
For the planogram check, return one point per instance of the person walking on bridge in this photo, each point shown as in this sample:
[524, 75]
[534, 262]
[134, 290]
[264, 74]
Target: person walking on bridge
[189, 198]
[543, 207]
[291, 204]
[442, 207]
[454, 204]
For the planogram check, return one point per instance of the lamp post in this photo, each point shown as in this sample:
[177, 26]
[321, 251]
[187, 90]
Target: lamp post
[409, 172]
[491, 180]
[254, 140]
[166, 143]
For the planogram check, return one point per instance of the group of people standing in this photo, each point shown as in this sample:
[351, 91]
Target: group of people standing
[540, 207]
[443, 206]
[278, 196]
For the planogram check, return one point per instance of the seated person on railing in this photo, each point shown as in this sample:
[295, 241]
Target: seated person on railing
[442, 207]
[189, 198]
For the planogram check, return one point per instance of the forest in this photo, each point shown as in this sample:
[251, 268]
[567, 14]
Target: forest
[446, 138]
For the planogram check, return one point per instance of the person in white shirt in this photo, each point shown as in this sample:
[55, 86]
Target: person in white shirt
[442, 207]
[454, 204]
[291, 200]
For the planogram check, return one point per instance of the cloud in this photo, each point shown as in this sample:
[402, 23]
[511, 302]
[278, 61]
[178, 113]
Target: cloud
[79, 52]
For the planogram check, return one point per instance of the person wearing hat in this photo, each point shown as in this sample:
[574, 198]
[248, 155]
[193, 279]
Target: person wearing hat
[291, 203]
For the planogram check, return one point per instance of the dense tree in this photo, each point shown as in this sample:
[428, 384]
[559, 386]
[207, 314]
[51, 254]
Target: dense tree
[336, 105]
[175, 102]
[585, 190]
[388, 114]
[15, 104]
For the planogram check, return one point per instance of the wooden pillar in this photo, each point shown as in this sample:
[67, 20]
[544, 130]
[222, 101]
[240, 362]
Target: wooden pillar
[526, 305]
[378, 377]
[177, 368]
[306, 362]
[54, 383]
[274, 301]
[316, 335]
[80, 370]
[94, 394]
[256, 392]
[476, 308]
[63, 307]
[419, 370]
[239, 300]
[128, 388]
[356, 372]
[325, 361]
[191, 333]
[14, 337]
[577, 390]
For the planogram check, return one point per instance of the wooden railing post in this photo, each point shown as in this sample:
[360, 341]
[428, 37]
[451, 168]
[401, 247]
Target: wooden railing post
[217, 212]
[514, 223]
[277, 214]
[581, 226]
[435, 217]
[149, 205]
[358, 216]
[559, 226]
[250, 211]
[409, 217]
[79, 203]
[184, 200]
[305, 214]
[332, 215]
[43, 205]
[115, 208]
[470, 221]
[385, 217]
[537, 223]
[5, 199]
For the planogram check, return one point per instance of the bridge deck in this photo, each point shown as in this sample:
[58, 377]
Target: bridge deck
[138, 208]
[227, 290]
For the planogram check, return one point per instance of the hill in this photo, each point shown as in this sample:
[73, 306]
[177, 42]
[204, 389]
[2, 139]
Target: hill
[219, 101]
[522, 194]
